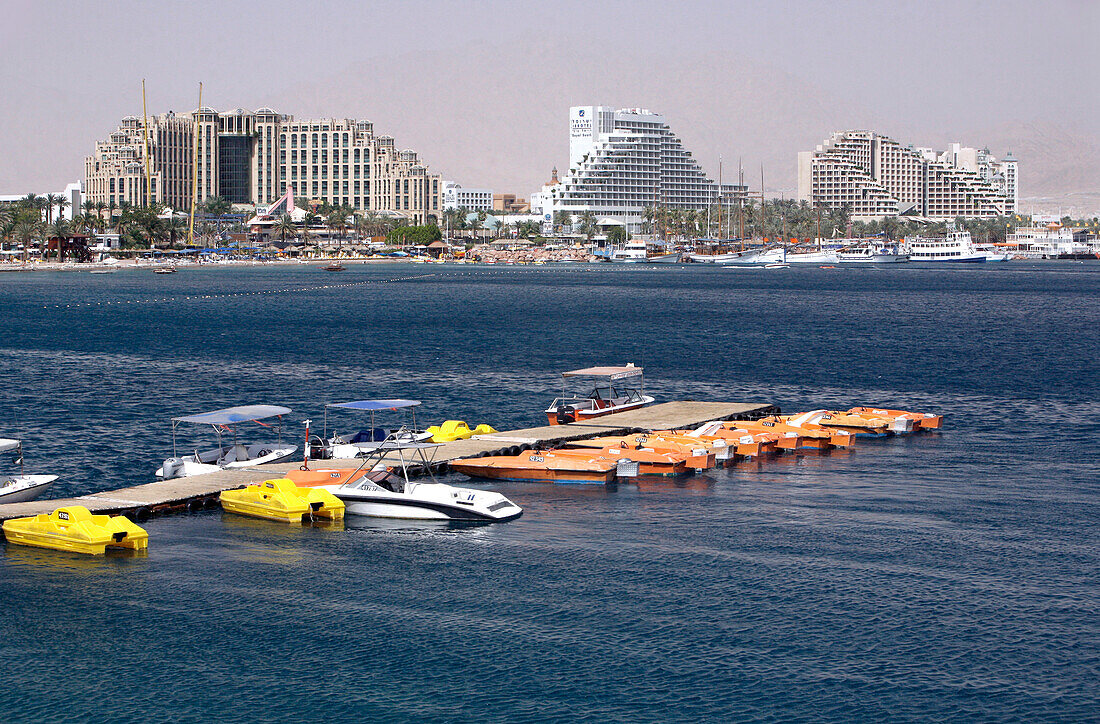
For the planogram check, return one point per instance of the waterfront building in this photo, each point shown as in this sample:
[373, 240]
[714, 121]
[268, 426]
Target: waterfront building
[455, 196]
[510, 204]
[624, 160]
[253, 157]
[73, 195]
[877, 177]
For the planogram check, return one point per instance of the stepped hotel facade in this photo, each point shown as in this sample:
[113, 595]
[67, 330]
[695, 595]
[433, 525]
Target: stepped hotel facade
[878, 177]
[623, 160]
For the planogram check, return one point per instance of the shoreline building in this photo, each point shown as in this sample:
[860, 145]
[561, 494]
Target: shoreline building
[253, 157]
[878, 177]
[455, 196]
[624, 160]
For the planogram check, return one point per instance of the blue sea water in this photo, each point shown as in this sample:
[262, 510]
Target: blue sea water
[948, 576]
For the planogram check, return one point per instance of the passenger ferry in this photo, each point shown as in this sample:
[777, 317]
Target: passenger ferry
[955, 247]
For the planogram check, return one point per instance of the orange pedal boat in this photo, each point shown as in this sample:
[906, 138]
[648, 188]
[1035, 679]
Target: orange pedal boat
[649, 462]
[922, 420]
[835, 436]
[698, 455]
[742, 442]
[541, 467]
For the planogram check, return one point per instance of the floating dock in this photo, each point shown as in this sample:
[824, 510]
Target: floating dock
[200, 492]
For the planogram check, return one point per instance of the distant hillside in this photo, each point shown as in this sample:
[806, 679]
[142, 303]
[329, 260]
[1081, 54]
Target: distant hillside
[719, 105]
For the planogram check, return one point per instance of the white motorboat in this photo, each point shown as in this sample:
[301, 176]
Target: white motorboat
[956, 247]
[232, 455]
[623, 390]
[868, 253]
[350, 445]
[749, 257]
[392, 497]
[20, 488]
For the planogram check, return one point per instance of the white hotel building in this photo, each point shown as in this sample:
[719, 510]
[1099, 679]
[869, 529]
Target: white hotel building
[455, 196]
[877, 177]
[621, 161]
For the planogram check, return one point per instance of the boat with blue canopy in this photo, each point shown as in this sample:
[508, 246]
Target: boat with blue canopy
[230, 452]
[358, 443]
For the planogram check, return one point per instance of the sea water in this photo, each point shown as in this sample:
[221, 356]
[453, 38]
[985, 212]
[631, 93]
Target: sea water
[947, 576]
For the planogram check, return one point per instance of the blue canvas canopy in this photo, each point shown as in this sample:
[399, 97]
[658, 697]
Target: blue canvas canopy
[241, 413]
[375, 405]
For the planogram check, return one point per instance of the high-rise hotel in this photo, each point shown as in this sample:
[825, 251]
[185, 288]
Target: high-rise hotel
[621, 161]
[876, 177]
[251, 157]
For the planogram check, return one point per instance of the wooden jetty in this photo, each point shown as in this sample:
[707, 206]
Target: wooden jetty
[199, 492]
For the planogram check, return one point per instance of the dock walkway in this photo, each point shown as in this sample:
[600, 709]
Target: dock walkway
[201, 491]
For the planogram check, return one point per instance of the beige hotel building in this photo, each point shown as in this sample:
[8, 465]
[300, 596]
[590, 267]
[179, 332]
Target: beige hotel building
[253, 157]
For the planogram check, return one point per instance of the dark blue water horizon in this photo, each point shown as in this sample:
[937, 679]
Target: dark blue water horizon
[947, 576]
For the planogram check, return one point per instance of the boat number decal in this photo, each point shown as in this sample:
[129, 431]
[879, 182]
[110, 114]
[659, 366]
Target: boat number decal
[62, 515]
[537, 459]
[643, 438]
[334, 475]
[768, 424]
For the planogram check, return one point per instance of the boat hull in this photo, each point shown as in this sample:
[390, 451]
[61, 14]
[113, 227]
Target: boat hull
[582, 415]
[27, 487]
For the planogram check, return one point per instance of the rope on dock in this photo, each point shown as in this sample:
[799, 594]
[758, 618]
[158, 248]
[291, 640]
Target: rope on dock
[190, 297]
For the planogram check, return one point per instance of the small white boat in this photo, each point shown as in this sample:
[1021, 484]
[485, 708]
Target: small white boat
[104, 271]
[350, 445]
[623, 390]
[232, 455]
[777, 266]
[20, 488]
[868, 253]
[392, 497]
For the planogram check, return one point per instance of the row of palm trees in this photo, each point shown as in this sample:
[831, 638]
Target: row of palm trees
[340, 220]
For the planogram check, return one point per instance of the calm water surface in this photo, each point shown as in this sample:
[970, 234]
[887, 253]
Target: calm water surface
[950, 576]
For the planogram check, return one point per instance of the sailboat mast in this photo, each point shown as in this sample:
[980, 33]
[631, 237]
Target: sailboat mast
[195, 174]
[145, 128]
[720, 199]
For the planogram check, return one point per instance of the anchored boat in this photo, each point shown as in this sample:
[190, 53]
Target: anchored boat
[382, 494]
[921, 420]
[21, 487]
[618, 389]
[74, 529]
[349, 445]
[233, 455]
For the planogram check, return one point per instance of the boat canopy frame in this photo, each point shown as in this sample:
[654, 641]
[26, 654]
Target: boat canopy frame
[7, 445]
[372, 406]
[221, 420]
[611, 374]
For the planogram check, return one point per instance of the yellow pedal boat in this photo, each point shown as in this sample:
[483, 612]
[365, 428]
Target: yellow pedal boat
[452, 430]
[282, 500]
[74, 528]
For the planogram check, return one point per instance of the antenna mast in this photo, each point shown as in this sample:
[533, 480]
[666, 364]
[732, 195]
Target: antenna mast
[195, 173]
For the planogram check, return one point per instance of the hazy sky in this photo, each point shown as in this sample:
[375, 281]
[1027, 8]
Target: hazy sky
[944, 69]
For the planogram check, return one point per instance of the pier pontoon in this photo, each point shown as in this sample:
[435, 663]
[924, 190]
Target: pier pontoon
[233, 455]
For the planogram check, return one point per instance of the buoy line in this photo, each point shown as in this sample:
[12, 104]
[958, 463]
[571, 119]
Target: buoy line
[188, 297]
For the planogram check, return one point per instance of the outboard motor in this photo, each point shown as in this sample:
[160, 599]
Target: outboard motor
[566, 415]
[172, 468]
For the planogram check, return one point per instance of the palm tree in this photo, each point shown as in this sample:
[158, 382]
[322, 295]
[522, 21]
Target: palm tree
[284, 227]
[175, 228]
[588, 224]
[25, 232]
[60, 230]
[649, 214]
[61, 203]
[48, 202]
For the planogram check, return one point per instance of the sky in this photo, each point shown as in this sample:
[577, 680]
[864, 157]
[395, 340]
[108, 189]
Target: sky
[482, 89]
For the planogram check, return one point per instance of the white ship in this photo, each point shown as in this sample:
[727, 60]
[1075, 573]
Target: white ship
[956, 247]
